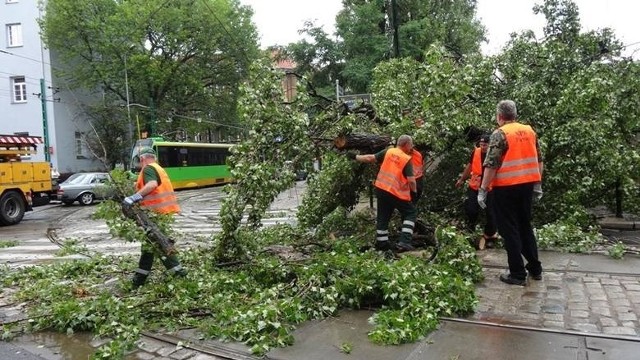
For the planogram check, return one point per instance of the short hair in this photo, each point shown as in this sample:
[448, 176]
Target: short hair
[508, 110]
[404, 140]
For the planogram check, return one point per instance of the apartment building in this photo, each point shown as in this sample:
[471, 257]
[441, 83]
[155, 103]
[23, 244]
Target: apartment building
[25, 77]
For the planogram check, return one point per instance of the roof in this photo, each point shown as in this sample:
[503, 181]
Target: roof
[19, 140]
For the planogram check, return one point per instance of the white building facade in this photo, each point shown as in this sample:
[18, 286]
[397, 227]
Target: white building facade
[25, 75]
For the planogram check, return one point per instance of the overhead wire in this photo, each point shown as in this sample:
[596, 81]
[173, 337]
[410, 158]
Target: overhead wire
[224, 28]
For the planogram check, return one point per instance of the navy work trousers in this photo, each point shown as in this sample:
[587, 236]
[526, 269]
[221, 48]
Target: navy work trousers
[512, 210]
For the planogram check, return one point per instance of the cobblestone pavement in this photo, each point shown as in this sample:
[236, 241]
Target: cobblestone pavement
[593, 303]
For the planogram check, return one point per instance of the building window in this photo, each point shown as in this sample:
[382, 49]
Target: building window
[14, 35]
[80, 154]
[19, 86]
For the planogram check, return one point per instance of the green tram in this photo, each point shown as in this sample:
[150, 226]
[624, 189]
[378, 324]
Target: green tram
[189, 165]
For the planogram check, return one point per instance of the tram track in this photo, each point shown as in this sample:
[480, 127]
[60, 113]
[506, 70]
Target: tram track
[592, 272]
[218, 351]
[54, 224]
[634, 339]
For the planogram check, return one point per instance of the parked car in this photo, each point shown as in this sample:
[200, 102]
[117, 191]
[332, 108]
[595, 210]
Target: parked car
[86, 188]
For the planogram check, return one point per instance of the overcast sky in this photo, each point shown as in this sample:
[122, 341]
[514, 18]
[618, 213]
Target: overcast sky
[278, 21]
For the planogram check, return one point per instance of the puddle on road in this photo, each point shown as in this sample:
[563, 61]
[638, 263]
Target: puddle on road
[57, 346]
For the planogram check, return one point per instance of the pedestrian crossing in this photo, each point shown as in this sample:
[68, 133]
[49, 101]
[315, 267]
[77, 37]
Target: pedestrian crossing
[194, 226]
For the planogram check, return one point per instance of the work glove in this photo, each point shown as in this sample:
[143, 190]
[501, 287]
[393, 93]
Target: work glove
[351, 155]
[130, 200]
[537, 191]
[482, 198]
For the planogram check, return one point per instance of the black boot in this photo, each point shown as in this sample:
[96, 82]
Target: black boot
[144, 267]
[172, 264]
[138, 280]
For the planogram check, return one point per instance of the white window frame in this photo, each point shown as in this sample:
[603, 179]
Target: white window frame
[79, 148]
[19, 89]
[14, 35]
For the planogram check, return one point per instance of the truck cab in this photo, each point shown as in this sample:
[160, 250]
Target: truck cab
[20, 179]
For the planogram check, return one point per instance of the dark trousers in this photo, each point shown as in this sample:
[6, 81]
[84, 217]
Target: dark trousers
[472, 210]
[171, 263]
[386, 204]
[419, 189]
[512, 210]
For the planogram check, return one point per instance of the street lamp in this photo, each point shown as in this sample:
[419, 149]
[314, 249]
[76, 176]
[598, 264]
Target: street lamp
[129, 105]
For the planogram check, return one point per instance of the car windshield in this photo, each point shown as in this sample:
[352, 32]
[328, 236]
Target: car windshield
[76, 179]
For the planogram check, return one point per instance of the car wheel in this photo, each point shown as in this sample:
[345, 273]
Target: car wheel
[86, 199]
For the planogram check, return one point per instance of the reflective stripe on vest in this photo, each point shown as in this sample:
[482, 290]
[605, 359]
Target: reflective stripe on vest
[162, 199]
[520, 162]
[416, 162]
[390, 177]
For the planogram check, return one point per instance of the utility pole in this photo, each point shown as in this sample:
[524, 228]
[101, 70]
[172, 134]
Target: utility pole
[126, 85]
[43, 98]
[45, 125]
[394, 19]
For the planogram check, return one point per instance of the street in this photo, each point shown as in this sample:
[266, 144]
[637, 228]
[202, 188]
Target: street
[44, 229]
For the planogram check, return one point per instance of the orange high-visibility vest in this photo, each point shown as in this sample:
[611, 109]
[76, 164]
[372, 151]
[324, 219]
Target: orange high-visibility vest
[476, 169]
[520, 162]
[390, 177]
[416, 162]
[162, 199]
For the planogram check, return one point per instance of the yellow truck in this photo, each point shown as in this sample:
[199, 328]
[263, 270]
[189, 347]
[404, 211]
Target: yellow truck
[20, 179]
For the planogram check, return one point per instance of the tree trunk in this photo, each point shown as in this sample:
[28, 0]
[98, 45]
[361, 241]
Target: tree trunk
[154, 235]
[365, 143]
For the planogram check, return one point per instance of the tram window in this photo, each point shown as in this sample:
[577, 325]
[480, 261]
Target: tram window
[168, 157]
[196, 157]
[192, 156]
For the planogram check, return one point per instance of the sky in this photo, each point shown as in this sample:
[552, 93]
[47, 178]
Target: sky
[278, 21]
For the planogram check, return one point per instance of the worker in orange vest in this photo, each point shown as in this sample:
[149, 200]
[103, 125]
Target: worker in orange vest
[513, 167]
[154, 192]
[418, 172]
[417, 161]
[395, 186]
[474, 171]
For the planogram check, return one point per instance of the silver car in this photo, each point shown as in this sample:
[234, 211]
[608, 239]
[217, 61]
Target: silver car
[85, 188]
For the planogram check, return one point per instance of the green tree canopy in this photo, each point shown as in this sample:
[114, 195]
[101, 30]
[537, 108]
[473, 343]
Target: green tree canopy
[576, 90]
[365, 32]
[183, 59]
[573, 87]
